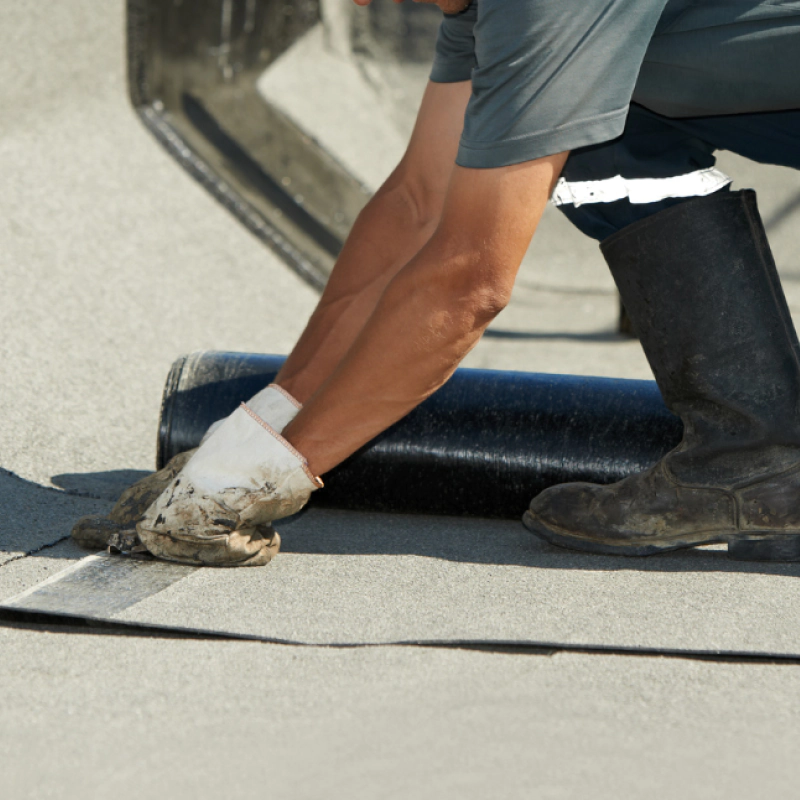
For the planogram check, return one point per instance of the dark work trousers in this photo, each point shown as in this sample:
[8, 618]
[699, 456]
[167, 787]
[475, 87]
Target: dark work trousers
[659, 162]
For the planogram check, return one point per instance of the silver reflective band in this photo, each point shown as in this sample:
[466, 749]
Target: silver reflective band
[639, 190]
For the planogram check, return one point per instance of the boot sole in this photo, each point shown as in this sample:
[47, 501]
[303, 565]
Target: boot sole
[749, 546]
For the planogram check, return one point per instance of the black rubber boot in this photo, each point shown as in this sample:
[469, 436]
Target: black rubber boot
[700, 285]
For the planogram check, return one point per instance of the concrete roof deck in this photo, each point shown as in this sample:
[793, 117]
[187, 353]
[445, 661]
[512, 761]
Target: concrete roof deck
[114, 262]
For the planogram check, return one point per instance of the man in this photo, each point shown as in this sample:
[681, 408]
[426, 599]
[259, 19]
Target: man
[615, 108]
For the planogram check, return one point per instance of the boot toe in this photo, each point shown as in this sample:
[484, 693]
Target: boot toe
[564, 507]
[641, 515]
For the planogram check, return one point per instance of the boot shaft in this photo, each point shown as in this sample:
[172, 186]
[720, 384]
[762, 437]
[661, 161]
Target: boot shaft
[701, 288]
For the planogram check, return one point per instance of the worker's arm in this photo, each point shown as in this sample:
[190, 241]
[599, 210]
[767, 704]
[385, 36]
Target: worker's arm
[245, 475]
[389, 231]
[431, 313]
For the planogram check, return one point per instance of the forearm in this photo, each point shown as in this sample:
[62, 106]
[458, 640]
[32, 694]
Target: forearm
[431, 314]
[387, 234]
[427, 320]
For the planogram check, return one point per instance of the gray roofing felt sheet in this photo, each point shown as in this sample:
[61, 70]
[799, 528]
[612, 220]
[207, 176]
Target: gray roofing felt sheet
[114, 262]
[34, 517]
[348, 579]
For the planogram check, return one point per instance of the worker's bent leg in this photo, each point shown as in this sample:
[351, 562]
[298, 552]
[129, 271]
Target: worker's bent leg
[660, 162]
[703, 292]
[651, 167]
[687, 105]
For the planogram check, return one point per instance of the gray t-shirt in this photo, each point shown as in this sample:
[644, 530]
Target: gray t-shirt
[555, 75]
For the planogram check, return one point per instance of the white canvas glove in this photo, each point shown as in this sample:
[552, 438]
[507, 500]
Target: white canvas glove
[274, 405]
[217, 510]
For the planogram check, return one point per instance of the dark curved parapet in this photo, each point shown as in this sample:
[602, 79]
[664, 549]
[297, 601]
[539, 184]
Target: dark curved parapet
[192, 74]
[483, 445]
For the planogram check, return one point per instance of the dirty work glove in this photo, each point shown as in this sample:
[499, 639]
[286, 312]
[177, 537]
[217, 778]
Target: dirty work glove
[274, 405]
[95, 530]
[217, 511]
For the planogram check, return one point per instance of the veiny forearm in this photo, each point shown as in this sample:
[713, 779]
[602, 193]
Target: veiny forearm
[432, 312]
[389, 231]
[424, 324]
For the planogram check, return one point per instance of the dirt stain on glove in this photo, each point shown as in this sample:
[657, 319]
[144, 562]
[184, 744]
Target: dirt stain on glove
[95, 531]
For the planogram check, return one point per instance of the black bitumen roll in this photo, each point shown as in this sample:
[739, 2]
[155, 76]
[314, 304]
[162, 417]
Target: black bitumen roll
[483, 445]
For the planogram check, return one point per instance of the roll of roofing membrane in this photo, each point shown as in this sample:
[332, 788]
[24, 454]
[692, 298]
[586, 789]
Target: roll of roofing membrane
[483, 445]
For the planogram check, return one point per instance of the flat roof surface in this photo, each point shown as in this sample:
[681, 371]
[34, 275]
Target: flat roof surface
[114, 262]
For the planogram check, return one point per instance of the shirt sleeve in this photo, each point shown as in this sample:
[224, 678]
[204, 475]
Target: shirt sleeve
[454, 58]
[547, 75]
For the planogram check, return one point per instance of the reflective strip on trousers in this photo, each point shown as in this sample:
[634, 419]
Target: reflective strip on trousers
[639, 190]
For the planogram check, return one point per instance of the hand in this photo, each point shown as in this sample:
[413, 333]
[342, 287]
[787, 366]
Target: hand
[218, 509]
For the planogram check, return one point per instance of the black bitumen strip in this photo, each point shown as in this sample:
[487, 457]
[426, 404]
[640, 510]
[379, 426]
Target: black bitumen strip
[72, 624]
